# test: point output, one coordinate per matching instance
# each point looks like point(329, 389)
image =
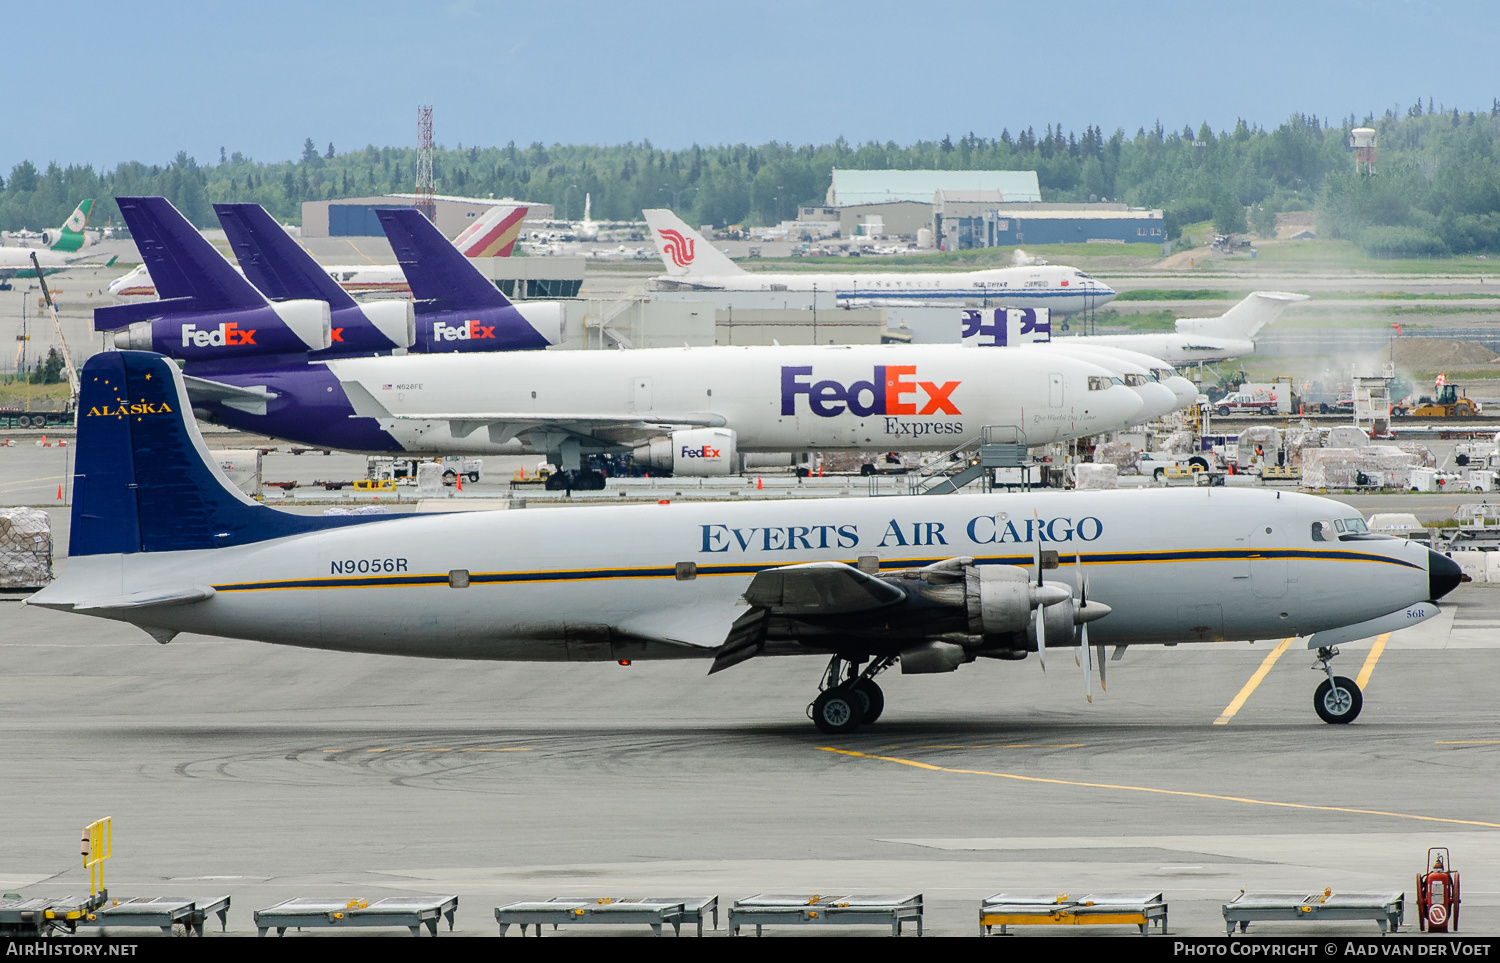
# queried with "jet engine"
point(547, 317)
point(280, 327)
point(692, 452)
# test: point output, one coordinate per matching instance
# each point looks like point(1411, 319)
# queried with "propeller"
point(1084, 614)
point(1036, 612)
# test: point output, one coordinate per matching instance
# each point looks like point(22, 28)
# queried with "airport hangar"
point(970, 209)
point(355, 216)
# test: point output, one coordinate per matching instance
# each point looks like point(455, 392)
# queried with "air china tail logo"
point(467, 331)
point(121, 408)
point(678, 248)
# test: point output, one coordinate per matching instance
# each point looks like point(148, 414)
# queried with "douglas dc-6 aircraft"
point(694, 264)
point(160, 539)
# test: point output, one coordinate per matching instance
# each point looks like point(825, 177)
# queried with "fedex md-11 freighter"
point(690, 410)
point(160, 539)
point(694, 264)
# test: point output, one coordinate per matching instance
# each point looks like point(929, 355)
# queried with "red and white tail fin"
point(684, 251)
point(493, 233)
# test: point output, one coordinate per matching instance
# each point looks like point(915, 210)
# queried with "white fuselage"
point(1173, 347)
point(869, 397)
point(593, 583)
point(1064, 290)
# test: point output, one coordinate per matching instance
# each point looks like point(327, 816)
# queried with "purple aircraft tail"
point(441, 278)
point(272, 261)
point(190, 275)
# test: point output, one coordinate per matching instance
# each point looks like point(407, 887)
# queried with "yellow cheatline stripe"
point(1369, 667)
point(1255, 680)
point(1161, 792)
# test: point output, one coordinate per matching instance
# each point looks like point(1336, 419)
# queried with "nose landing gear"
point(849, 698)
point(1337, 699)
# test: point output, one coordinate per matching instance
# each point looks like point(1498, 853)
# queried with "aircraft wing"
point(813, 588)
point(613, 427)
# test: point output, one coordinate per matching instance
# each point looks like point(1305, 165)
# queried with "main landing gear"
point(584, 481)
point(1337, 699)
point(849, 698)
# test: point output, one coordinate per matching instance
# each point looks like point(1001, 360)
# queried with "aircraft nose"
point(1103, 293)
point(1443, 575)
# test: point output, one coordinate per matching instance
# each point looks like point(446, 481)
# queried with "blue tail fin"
point(144, 480)
point(274, 262)
point(438, 274)
point(190, 275)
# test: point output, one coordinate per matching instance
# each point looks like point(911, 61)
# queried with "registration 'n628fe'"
point(366, 566)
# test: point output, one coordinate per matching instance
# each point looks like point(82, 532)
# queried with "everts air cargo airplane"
point(161, 539)
point(694, 264)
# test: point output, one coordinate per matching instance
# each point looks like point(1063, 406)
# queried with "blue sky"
point(145, 79)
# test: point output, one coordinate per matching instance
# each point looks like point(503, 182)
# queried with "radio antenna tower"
point(425, 202)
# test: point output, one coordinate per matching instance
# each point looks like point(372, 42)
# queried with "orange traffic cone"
point(59, 491)
point(758, 484)
point(460, 482)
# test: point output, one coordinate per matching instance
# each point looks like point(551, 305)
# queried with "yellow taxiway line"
point(1255, 681)
point(1370, 660)
point(1161, 792)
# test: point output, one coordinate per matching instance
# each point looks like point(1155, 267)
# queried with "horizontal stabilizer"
point(155, 599)
point(118, 316)
point(250, 399)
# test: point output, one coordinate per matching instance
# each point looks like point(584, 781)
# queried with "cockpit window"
point(1134, 380)
point(1338, 523)
point(1356, 526)
point(1318, 531)
point(1098, 383)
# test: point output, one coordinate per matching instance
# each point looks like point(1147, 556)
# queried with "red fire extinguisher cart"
point(1437, 893)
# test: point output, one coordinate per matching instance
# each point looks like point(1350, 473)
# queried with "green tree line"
point(1436, 190)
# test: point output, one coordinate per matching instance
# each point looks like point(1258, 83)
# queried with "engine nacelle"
point(999, 599)
point(548, 317)
point(395, 320)
point(281, 327)
point(692, 452)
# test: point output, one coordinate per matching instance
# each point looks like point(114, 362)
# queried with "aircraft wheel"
point(556, 482)
point(838, 711)
point(1160, 475)
point(1339, 701)
point(867, 469)
point(591, 481)
point(874, 699)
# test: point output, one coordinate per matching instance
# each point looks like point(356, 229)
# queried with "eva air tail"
point(71, 236)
